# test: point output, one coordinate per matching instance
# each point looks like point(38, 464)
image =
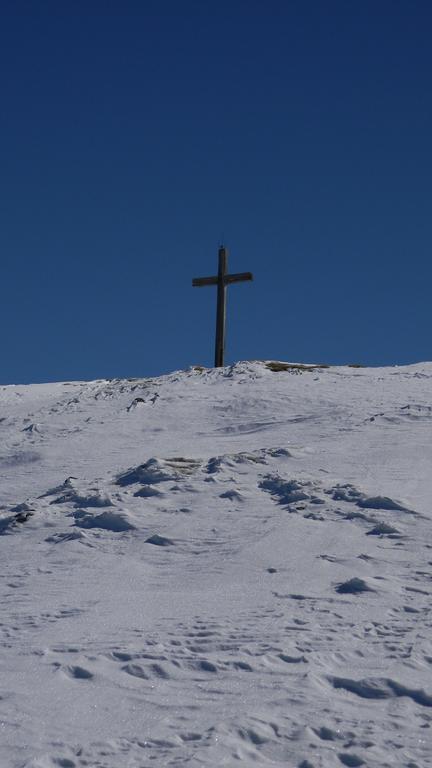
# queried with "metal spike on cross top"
point(222, 280)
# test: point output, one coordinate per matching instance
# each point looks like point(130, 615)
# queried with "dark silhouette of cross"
point(221, 280)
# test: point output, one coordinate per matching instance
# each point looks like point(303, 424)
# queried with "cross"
point(221, 280)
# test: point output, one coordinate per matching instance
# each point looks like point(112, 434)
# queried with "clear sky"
point(135, 136)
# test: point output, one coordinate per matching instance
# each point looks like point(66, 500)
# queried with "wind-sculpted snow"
point(110, 521)
point(404, 413)
point(349, 493)
point(217, 567)
point(158, 471)
point(354, 586)
point(381, 688)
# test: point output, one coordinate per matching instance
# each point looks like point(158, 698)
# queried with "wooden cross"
point(221, 280)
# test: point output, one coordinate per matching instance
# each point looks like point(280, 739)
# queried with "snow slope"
point(217, 567)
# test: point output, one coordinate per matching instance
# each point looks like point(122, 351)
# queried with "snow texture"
point(218, 567)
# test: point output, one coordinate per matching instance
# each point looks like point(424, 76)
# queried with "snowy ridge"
point(217, 567)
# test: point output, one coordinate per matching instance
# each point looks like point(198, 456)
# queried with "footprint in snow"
point(77, 673)
point(159, 541)
point(352, 761)
point(135, 670)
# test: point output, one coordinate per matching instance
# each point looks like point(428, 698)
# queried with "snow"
point(218, 567)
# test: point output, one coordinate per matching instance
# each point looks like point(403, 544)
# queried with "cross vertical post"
point(221, 308)
point(221, 280)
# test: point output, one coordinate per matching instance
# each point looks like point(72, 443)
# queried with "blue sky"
point(136, 136)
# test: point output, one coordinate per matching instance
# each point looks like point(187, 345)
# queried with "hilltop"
point(217, 567)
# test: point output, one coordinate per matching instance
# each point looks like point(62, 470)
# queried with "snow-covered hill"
point(218, 567)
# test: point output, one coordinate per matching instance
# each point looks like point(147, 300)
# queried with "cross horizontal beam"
point(239, 277)
point(198, 282)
